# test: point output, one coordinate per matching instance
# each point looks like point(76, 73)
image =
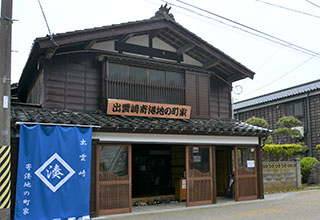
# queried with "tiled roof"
point(285, 93)
point(135, 124)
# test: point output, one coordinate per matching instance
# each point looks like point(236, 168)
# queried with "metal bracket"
point(8, 19)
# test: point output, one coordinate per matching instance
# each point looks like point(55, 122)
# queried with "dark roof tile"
point(135, 124)
point(281, 94)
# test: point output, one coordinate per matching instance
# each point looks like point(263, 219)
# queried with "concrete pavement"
point(294, 205)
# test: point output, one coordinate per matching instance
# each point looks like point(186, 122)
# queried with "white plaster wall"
point(159, 44)
point(174, 138)
point(142, 40)
point(105, 46)
point(189, 60)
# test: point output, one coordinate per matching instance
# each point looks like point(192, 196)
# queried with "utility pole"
point(5, 102)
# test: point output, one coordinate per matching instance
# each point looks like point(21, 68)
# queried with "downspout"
point(261, 145)
point(309, 125)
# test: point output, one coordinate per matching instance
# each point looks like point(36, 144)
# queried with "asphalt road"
point(293, 206)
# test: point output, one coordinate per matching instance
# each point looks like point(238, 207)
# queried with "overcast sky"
point(276, 66)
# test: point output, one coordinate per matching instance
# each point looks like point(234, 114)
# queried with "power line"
point(312, 3)
point(242, 31)
point(253, 31)
point(45, 19)
point(280, 77)
point(273, 39)
point(269, 58)
point(289, 9)
point(50, 34)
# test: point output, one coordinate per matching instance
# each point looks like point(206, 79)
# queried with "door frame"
point(98, 183)
point(238, 176)
point(188, 178)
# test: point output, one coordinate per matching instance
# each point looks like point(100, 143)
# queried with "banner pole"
point(54, 124)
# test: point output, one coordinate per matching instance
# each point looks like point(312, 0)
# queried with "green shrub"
point(318, 148)
point(277, 152)
point(289, 132)
point(258, 122)
point(306, 165)
point(286, 124)
point(269, 140)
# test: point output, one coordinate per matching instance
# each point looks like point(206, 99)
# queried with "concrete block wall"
point(281, 175)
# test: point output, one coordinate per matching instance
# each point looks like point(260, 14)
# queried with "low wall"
point(281, 175)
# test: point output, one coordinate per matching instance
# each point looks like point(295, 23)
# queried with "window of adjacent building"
point(294, 109)
point(143, 84)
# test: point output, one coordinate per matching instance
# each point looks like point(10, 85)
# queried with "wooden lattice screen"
point(145, 91)
point(246, 174)
point(199, 176)
point(114, 190)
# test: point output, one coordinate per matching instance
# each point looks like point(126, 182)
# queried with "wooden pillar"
point(214, 182)
point(259, 170)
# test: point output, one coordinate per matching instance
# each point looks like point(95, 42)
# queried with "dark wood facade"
point(305, 107)
point(69, 82)
point(158, 61)
point(79, 82)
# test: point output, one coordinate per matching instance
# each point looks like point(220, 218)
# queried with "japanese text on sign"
point(145, 109)
point(27, 176)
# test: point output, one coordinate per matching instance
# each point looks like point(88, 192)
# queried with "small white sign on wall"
point(250, 163)
point(184, 184)
point(195, 150)
point(5, 101)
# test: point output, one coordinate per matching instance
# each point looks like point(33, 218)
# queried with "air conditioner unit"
point(300, 129)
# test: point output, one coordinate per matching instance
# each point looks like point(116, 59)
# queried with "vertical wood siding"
point(73, 82)
point(197, 94)
point(191, 93)
point(220, 99)
point(203, 96)
point(36, 93)
point(315, 121)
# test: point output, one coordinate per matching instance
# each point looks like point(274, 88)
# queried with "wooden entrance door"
point(199, 175)
point(246, 181)
point(114, 179)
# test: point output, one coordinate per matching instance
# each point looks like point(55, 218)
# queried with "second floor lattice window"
point(142, 84)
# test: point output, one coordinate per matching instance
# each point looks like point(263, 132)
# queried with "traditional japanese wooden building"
point(159, 100)
point(301, 101)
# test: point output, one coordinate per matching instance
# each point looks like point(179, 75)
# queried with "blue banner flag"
point(53, 180)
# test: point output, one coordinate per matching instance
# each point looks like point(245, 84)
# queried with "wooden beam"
point(150, 41)
point(125, 37)
point(151, 52)
point(185, 34)
point(90, 44)
point(210, 64)
point(155, 33)
point(50, 52)
point(185, 48)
